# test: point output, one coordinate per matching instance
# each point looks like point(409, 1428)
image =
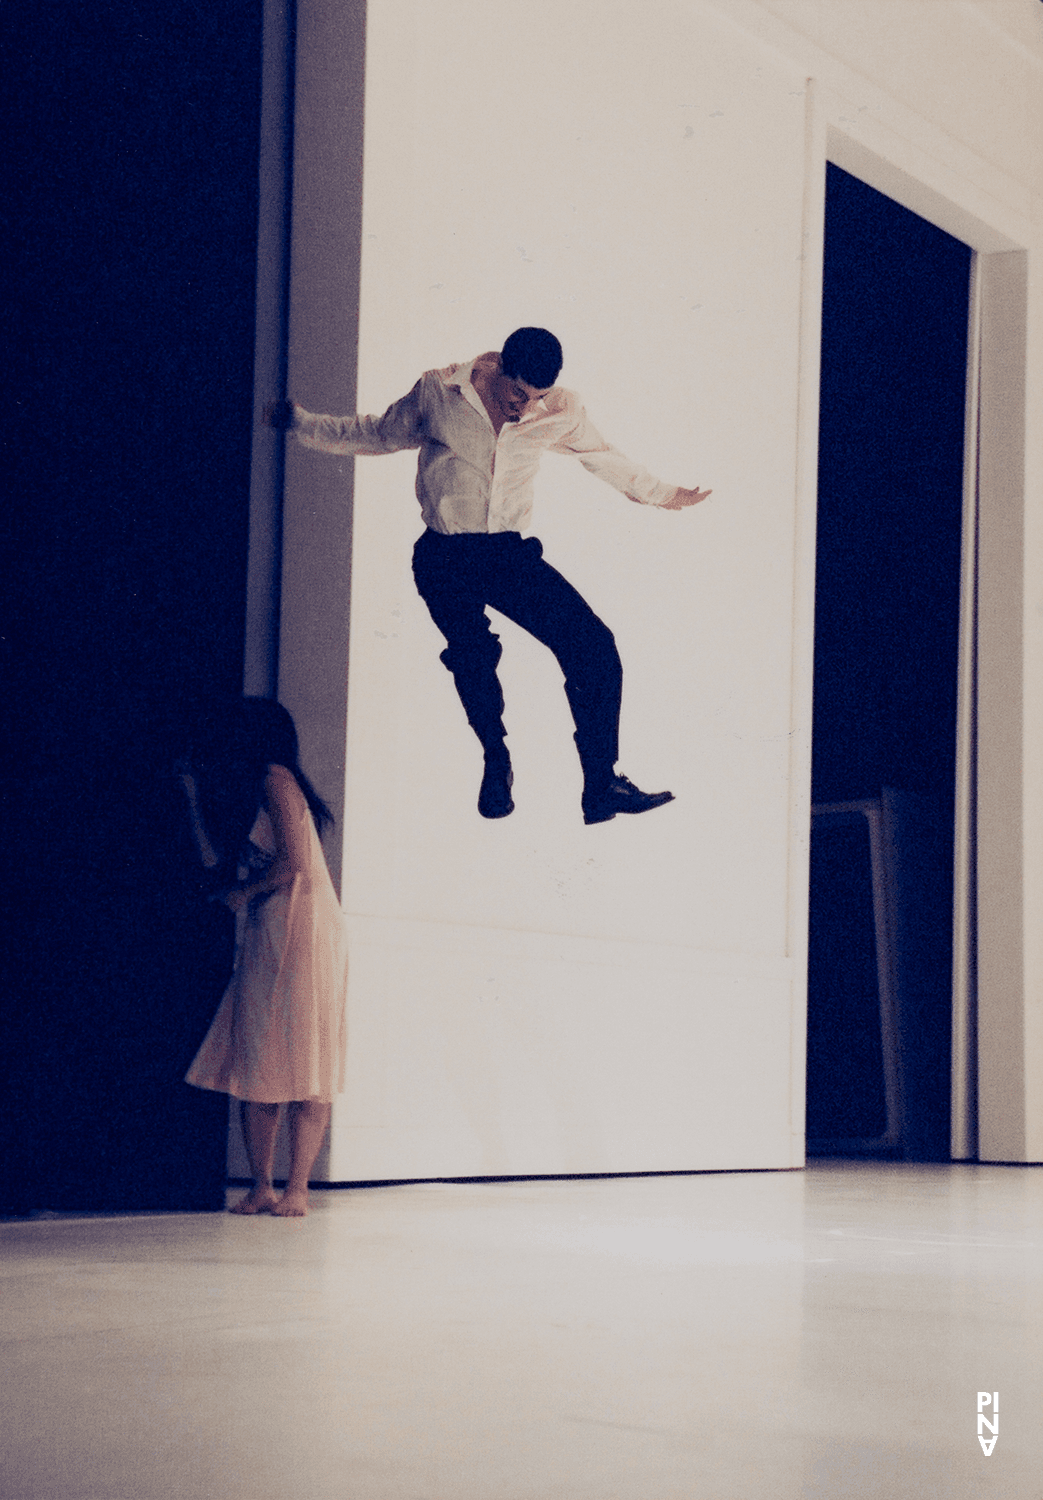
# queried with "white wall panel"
point(532, 995)
point(507, 184)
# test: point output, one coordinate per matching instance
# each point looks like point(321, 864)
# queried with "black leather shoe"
point(494, 799)
point(620, 796)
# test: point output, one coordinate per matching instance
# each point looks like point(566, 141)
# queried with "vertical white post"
point(964, 1073)
point(813, 231)
point(1002, 1081)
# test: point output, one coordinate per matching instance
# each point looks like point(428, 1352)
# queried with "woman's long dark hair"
point(231, 750)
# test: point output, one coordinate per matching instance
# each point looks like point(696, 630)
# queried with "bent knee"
point(597, 641)
point(481, 652)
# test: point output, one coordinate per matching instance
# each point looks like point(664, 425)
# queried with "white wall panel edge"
point(1032, 717)
point(806, 519)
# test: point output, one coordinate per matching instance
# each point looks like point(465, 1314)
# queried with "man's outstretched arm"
point(399, 428)
point(607, 463)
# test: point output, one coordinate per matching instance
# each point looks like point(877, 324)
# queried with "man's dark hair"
point(532, 355)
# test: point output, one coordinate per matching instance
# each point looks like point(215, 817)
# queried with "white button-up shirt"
point(468, 478)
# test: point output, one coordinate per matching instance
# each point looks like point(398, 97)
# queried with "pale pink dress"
point(280, 1030)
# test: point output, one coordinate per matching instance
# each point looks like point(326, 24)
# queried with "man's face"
point(516, 396)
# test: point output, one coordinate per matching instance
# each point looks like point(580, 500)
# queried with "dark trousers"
point(457, 576)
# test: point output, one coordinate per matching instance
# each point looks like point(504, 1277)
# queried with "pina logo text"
point(988, 1399)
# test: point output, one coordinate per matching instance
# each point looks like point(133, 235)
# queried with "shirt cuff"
point(304, 422)
point(657, 494)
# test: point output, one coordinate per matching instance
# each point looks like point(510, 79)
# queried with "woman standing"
point(279, 1033)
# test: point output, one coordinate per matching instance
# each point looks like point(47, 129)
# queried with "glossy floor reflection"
point(727, 1337)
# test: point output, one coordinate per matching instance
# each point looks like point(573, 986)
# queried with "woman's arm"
point(288, 813)
point(207, 852)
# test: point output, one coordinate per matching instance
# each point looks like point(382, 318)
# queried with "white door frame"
point(990, 1075)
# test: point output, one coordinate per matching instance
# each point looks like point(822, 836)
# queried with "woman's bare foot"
point(259, 1200)
point(292, 1205)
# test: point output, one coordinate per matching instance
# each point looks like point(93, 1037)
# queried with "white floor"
point(727, 1337)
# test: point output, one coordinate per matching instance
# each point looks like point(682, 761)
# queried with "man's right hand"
point(278, 414)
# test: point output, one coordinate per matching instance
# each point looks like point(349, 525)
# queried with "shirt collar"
point(461, 377)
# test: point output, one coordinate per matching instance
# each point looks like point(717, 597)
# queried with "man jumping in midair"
point(481, 429)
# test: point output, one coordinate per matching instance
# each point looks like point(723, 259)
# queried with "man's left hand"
point(684, 498)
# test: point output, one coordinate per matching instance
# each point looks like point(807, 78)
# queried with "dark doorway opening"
point(894, 360)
